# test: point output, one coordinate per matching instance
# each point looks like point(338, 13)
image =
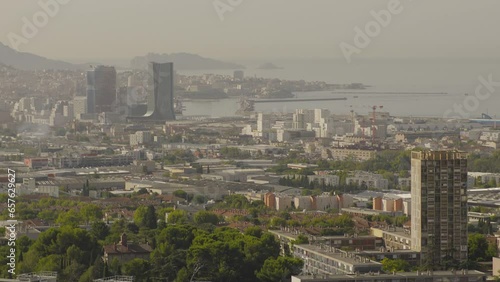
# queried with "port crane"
point(373, 119)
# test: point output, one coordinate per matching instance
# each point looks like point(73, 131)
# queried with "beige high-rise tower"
point(439, 206)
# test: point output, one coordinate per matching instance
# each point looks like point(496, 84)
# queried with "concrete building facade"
point(439, 205)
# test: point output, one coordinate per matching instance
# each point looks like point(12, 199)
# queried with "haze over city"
point(259, 29)
point(249, 141)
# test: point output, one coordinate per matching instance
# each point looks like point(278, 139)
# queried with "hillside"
point(28, 61)
point(183, 61)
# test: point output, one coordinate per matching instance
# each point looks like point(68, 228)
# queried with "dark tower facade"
point(90, 92)
point(161, 96)
point(101, 89)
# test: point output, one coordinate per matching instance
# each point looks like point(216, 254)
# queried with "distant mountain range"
point(269, 66)
point(28, 61)
point(183, 61)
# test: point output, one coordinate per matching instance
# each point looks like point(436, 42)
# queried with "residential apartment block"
point(439, 205)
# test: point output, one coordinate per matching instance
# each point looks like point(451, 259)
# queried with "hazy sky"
point(91, 29)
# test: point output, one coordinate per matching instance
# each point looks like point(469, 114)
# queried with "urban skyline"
point(249, 141)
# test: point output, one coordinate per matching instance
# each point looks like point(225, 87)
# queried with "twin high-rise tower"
point(101, 92)
point(161, 96)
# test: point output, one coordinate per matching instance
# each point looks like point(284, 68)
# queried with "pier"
point(248, 105)
point(294, 100)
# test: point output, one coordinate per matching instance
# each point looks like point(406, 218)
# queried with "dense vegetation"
point(187, 247)
point(485, 163)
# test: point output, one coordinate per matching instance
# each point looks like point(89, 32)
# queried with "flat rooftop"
point(366, 211)
point(338, 255)
point(438, 155)
point(397, 231)
point(381, 276)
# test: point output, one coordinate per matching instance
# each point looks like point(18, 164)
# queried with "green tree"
point(87, 275)
point(279, 269)
point(169, 257)
point(50, 263)
point(235, 202)
point(150, 220)
point(67, 249)
point(478, 247)
point(98, 269)
point(133, 228)
point(199, 199)
point(278, 221)
point(139, 268)
point(202, 217)
point(226, 255)
point(177, 217)
point(115, 267)
point(395, 265)
point(99, 230)
point(91, 212)
point(23, 243)
point(254, 231)
point(301, 239)
point(71, 217)
point(182, 276)
point(233, 153)
point(140, 215)
point(492, 250)
point(181, 194)
point(47, 215)
point(142, 191)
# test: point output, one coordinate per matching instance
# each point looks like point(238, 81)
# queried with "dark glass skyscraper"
point(90, 92)
point(101, 89)
point(161, 96)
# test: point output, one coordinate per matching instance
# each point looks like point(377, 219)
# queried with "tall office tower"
point(101, 89)
point(238, 75)
point(263, 122)
point(79, 88)
point(161, 97)
point(320, 114)
point(79, 106)
point(302, 117)
point(439, 206)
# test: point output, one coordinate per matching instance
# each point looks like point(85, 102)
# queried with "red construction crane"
point(372, 119)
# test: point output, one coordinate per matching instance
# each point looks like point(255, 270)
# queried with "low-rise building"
point(141, 138)
point(357, 154)
point(332, 180)
point(395, 238)
point(36, 163)
point(370, 180)
point(326, 260)
point(283, 202)
point(427, 276)
point(321, 202)
point(365, 212)
point(125, 251)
